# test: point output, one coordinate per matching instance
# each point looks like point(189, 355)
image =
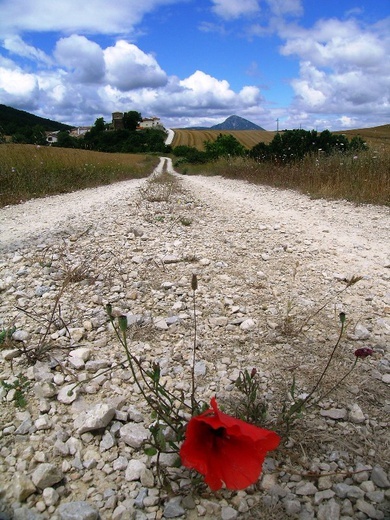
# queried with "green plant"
point(299, 402)
point(19, 386)
point(6, 336)
point(251, 408)
point(168, 409)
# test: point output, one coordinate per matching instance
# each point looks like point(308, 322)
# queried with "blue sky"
point(307, 63)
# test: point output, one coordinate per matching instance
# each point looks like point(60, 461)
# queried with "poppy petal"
point(226, 450)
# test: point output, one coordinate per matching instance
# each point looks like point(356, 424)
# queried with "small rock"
point(228, 513)
point(329, 510)
point(366, 508)
point(21, 335)
point(23, 487)
point(77, 511)
point(50, 496)
point(379, 477)
point(292, 507)
point(95, 419)
point(308, 488)
point(107, 442)
point(68, 394)
point(356, 415)
point(46, 475)
point(200, 368)
point(173, 508)
point(83, 353)
point(134, 469)
point(334, 413)
point(361, 332)
point(134, 434)
point(248, 324)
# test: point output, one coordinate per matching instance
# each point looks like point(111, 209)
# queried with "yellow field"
point(196, 138)
point(376, 137)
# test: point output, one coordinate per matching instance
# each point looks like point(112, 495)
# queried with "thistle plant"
point(290, 413)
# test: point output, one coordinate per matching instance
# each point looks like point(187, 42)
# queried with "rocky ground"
point(273, 270)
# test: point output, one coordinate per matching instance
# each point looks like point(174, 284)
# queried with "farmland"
point(196, 138)
point(377, 137)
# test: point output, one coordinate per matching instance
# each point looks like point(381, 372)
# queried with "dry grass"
point(378, 137)
point(361, 179)
point(28, 171)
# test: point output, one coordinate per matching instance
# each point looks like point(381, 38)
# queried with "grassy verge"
point(27, 171)
point(363, 178)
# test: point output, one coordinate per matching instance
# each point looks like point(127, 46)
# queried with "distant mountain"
point(236, 123)
point(12, 120)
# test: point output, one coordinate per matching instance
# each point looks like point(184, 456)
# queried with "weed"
point(251, 408)
point(6, 336)
point(19, 387)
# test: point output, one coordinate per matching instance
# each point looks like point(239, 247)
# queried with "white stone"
point(94, 419)
point(83, 353)
point(46, 475)
point(134, 434)
point(134, 469)
point(356, 415)
point(68, 394)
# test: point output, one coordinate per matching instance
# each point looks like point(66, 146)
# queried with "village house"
point(147, 122)
point(52, 137)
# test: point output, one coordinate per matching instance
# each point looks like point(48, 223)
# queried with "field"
point(28, 171)
point(196, 138)
point(378, 137)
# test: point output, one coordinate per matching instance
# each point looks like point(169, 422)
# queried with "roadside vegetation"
point(28, 171)
point(321, 165)
point(352, 166)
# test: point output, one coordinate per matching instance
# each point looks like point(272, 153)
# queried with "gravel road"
point(266, 259)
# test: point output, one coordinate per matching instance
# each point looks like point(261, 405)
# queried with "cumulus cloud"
point(130, 68)
point(17, 87)
point(81, 57)
point(343, 67)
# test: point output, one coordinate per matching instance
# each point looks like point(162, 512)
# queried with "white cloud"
point(337, 44)
point(229, 9)
point(130, 68)
point(81, 57)
point(89, 16)
point(17, 87)
point(344, 67)
point(285, 7)
point(16, 45)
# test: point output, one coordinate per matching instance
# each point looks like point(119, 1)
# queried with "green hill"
point(13, 121)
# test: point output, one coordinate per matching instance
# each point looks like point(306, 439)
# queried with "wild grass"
point(28, 171)
point(360, 178)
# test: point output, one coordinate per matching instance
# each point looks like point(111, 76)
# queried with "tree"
point(224, 145)
point(131, 120)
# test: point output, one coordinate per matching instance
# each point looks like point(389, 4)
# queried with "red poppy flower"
point(363, 352)
point(226, 450)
